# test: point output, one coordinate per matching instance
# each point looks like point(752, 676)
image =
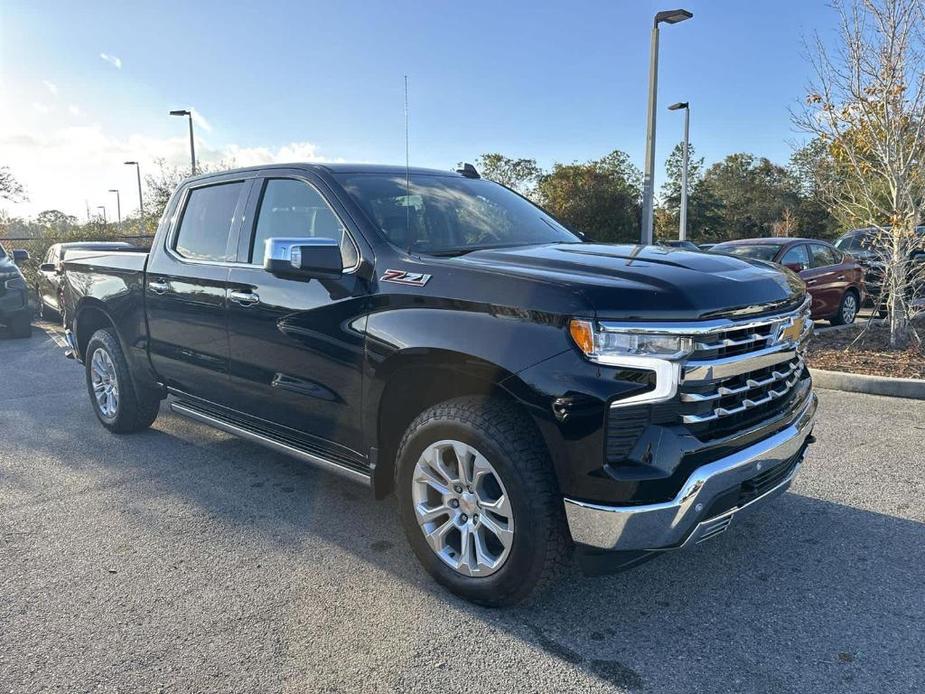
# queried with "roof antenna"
point(407, 172)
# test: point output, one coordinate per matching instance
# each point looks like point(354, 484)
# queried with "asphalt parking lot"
point(183, 559)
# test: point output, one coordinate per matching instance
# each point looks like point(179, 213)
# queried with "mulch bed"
point(843, 350)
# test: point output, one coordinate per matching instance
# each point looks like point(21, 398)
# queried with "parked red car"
point(833, 278)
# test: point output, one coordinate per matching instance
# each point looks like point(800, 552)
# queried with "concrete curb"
point(872, 385)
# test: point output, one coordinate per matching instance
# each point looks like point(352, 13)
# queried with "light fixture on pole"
point(141, 204)
point(648, 183)
point(118, 207)
point(685, 164)
point(103, 208)
point(192, 145)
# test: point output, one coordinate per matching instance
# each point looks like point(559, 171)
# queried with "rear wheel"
point(479, 502)
point(115, 401)
point(847, 310)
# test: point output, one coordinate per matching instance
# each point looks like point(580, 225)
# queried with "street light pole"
point(648, 182)
point(192, 142)
point(141, 203)
point(103, 208)
point(682, 223)
point(118, 207)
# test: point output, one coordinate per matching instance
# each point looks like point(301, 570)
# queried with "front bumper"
point(14, 304)
point(692, 515)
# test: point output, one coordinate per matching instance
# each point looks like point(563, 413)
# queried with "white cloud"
point(51, 87)
point(74, 110)
point(200, 121)
point(62, 167)
point(41, 108)
point(115, 61)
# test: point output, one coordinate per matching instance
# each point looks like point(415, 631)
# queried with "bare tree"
point(10, 188)
point(786, 225)
point(867, 104)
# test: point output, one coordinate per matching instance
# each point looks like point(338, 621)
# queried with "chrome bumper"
point(680, 522)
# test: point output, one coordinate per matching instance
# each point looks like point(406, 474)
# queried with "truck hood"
point(635, 282)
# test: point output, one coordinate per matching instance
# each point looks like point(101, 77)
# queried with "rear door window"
point(205, 227)
point(822, 256)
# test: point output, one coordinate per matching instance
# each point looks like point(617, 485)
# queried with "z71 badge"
point(415, 279)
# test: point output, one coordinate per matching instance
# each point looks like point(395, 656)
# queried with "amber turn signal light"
point(582, 334)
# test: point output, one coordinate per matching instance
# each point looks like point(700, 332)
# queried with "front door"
point(296, 347)
point(185, 290)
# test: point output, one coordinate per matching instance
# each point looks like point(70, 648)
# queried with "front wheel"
point(847, 310)
point(115, 401)
point(479, 502)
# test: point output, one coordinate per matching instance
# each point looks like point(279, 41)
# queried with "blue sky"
point(556, 81)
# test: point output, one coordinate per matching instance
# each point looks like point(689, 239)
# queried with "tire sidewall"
point(103, 340)
point(526, 555)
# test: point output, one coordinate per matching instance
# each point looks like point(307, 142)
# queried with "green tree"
point(751, 195)
point(518, 174)
point(600, 198)
point(704, 220)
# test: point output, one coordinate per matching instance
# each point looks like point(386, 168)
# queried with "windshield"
point(855, 242)
point(759, 251)
point(450, 215)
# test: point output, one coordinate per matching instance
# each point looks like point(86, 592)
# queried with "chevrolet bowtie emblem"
point(790, 332)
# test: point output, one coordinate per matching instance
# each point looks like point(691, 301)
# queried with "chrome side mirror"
point(303, 257)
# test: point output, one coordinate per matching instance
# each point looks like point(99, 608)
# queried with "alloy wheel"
point(463, 508)
point(849, 308)
point(105, 383)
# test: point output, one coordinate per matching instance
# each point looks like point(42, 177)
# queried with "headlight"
point(16, 283)
point(610, 345)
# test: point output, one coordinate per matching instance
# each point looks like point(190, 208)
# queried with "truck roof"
point(336, 168)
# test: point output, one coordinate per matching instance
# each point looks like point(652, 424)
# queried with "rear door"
point(186, 285)
point(825, 280)
point(297, 346)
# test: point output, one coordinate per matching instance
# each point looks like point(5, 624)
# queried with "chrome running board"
point(213, 420)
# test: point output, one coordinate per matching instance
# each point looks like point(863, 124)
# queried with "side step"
point(187, 409)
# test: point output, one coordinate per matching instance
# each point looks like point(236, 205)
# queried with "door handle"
point(841, 277)
point(244, 298)
point(158, 286)
point(808, 282)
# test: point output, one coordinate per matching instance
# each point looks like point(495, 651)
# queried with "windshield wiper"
point(463, 250)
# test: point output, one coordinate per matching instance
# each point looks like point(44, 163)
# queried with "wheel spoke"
point(482, 555)
point(428, 514)
point(436, 538)
point(425, 475)
point(500, 506)
point(480, 468)
point(466, 555)
point(463, 463)
point(500, 531)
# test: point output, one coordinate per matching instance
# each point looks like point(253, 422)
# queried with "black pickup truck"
point(522, 391)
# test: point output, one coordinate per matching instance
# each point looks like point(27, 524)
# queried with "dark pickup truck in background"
point(15, 310)
point(522, 392)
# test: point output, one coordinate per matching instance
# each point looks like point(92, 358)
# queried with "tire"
point(21, 327)
point(847, 309)
point(538, 546)
point(128, 411)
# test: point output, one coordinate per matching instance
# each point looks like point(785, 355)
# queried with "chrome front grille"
point(761, 376)
point(736, 374)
